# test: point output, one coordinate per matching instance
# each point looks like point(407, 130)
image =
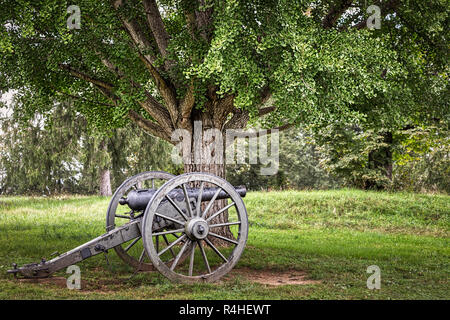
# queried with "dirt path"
point(272, 277)
point(267, 277)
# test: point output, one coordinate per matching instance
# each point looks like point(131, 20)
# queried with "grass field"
point(329, 236)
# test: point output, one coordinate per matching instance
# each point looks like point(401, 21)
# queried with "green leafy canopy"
point(312, 62)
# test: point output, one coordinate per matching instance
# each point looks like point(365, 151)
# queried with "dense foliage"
point(422, 160)
point(164, 64)
point(298, 168)
point(339, 157)
point(419, 158)
point(60, 153)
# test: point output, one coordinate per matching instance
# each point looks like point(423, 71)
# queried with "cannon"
point(158, 221)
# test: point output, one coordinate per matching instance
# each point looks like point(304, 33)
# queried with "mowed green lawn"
point(332, 236)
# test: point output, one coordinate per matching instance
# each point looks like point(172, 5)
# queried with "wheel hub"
point(197, 229)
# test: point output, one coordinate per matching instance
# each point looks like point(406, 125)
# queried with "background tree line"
point(414, 159)
point(60, 152)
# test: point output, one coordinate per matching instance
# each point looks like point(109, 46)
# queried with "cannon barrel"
point(138, 199)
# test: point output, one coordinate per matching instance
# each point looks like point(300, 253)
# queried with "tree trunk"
point(105, 182)
point(211, 163)
point(218, 170)
point(105, 174)
point(381, 159)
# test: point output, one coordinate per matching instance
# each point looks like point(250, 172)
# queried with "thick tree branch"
point(136, 34)
point(86, 77)
point(83, 99)
point(156, 25)
point(204, 21)
point(111, 96)
point(186, 105)
point(165, 90)
point(151, 105)
point(222, 107)
point(266, 110)
point(148, 125)
point(266, 95)
point(238, 120)
point(191, 23)
point(158, 113)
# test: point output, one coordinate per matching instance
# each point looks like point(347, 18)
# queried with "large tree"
point(166, 64)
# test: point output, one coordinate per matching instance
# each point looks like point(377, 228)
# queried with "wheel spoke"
point(168, 232)
point(177, 258)
point(157, 243)
point(169, 246)
point(167, 243)
point(132, 244)
point(177, 208)
point(186, 197)
point(141, 258)
point(169, 218)
point(220, 211)
point(199, 200)
point(130, 251)
point(215, 249)
point(138, 216)
point(191, 261)
point(223, 238)
point(204, 256)
point(123, 217)
point(224, 224)
point(211, 202)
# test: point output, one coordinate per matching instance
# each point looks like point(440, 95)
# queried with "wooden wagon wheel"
point(207, 262)
point(133, 252)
